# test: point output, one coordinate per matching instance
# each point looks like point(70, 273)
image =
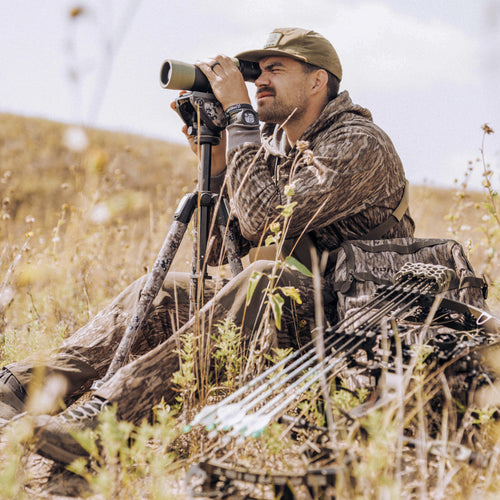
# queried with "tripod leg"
point(231, 250)
point(200, 242)
point(208, 200)
point(229, 238)
point(153, 284)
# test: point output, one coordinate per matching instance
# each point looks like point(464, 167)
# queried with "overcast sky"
point(429, 70)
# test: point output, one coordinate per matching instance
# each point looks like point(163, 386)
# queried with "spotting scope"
point(176, 75)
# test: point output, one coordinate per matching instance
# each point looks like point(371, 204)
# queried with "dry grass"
point(77, 226)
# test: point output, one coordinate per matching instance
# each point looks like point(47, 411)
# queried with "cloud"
point(380, 47)
point(399, 51)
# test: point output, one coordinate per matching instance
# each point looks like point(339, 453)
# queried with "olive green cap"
point(300, 44)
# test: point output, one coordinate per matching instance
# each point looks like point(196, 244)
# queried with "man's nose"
point(262, 80)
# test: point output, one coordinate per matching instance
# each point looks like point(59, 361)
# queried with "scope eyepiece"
point(177, 75)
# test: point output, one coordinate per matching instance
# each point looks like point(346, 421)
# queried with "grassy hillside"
point(77, 226)
point(78, 222)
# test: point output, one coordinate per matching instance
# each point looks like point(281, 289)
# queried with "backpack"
point(363, 265)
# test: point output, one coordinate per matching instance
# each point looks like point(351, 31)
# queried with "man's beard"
point(280, 110)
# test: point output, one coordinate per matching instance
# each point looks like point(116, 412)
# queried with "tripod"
point(205, 119)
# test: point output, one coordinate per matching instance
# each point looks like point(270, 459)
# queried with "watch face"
point(249, 117)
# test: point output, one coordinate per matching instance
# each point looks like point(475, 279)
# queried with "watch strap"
point(236, 108)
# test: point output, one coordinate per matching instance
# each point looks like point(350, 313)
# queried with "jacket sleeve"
point(347, 170)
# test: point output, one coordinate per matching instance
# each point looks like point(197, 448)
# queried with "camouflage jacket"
point(347, 178)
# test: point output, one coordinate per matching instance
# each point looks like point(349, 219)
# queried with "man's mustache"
point(265, 90)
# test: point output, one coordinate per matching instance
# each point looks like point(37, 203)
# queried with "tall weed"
point(481, 232)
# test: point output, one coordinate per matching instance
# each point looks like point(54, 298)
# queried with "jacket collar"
point(276, 142)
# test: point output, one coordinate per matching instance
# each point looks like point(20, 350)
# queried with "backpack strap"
point(304, 246)
point(378, 231)
point(475, 282)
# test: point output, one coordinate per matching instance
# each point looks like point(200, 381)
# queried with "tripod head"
point(211, 122)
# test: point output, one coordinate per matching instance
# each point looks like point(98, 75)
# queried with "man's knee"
point(175, 288)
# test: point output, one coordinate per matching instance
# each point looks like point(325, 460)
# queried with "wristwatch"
point(248, 117)
point(242, 114)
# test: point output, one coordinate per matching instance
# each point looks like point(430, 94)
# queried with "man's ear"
point(319, 81)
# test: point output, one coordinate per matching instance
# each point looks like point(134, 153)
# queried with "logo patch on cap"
point(273, 40)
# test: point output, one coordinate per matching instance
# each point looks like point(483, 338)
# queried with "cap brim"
point(257, 55)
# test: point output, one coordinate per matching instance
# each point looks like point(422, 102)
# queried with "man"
point(347, 181)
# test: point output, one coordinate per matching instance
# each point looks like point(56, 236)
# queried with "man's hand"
point(229, 88)
point(218, 164)
point(226, 81)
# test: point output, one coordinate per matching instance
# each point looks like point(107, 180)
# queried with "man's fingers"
point(214, 66)
point(225, 80)
point(205, 67)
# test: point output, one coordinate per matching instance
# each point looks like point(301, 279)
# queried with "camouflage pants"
point(143, 382)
